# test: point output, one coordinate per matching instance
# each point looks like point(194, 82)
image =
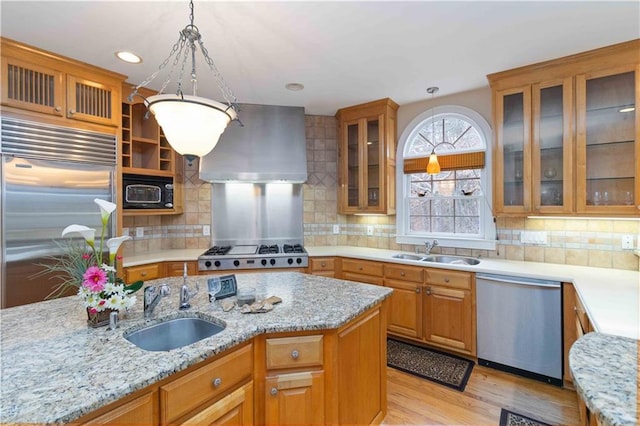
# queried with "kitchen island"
point(55, 369)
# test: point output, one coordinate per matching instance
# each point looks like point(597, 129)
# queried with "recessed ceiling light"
point(295, 87)
point(129, 57)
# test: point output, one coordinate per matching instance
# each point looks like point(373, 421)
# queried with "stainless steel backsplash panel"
point(243, 213)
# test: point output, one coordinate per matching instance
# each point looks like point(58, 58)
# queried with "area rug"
point(445, 369)
point(509, 418)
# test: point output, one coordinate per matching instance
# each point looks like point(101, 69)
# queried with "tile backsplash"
point(588, 242)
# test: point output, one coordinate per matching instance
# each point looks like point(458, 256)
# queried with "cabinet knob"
point(57, 109)
point(274, 391)
point(72, 111)
point(428, 291)
point(143, 274)
point(295, 354)
point(418, 290)
point(446, 280)
point(402, 274)
point(360, 268)
point(323, 264)
point(217, 382)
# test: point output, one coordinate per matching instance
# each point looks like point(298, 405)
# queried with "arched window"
point(453, 206)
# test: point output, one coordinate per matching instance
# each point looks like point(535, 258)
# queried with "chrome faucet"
point(186, 295)
point(152, 297)
point(430, 245)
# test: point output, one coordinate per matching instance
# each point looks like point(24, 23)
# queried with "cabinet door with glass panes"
point(513, 150)
point(608, 147)
point(552, 147)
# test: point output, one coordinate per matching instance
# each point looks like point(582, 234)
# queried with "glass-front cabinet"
point(608, 166)
point(367, 158)
point(567, 135)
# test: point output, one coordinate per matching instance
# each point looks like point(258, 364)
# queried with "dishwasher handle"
point(519, 281)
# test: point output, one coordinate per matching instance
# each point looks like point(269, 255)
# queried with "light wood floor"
point(415, 401)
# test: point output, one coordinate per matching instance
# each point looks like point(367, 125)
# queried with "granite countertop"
point(605, 373)
point(610, 296)
point(55, 369)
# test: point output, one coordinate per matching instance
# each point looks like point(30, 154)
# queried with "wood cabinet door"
point(176, 269)
point(608, 141)
point(32, 87)
point(295, 398)
point(92, 101)
point(405, 308)
point(234, 409)
point(448, 318)
point(512, 183)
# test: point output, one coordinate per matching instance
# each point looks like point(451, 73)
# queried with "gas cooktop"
point(253, 256)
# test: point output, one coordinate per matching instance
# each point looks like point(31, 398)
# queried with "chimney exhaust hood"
point(270, 147)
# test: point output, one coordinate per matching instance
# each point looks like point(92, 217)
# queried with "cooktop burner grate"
point(217, 251)
point(268, 249)
point(296, 248)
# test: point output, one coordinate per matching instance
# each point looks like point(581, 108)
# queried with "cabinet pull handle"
point(295, 354)
point(428, 291)
point(217, 382)
point(274, 391)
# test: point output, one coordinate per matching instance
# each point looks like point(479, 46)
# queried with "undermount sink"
point(407, 256)
point(174, 333)
point(454, 260)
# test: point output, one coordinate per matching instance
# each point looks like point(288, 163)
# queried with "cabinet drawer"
point(288, 352)
point(362, 267)
point(322, 264)
point(447, 278)
point(404, 273)
point(176, 269)
point(144, 272)
point(216, 379)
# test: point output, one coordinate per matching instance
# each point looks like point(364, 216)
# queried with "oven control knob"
point(289, 261)
point(207, 264)
point(264, 262)
point(236, 263)
point(217, 263)
point(298, 261)
point(272, 261)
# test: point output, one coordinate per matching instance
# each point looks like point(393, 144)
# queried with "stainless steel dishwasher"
point(519, 323)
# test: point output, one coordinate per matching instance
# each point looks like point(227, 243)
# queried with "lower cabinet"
point(434, 306)
point(295, 398)
point(324, 266)
point(176, 269)
point(449, 310)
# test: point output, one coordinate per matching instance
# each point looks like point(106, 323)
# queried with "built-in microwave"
point(147, 192)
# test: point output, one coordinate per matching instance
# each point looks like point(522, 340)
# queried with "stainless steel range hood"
point(271, 147)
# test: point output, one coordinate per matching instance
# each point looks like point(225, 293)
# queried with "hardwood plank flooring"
point(416, 401)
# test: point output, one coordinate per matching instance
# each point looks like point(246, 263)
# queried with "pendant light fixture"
point(433, 167)
point(192, 124)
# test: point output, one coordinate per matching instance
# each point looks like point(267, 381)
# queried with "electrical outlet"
point(369, 229)
point(139, 232)
point(206, 230)
point(627, 241)
point(336, 229)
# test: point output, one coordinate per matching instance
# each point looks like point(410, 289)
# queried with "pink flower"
point(86, 256)
point(94, 279)
point(93, 311)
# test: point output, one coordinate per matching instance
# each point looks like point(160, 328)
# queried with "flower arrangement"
point(85, 268)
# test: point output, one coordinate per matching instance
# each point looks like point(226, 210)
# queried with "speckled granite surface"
point(54, 368)
point(605, 374)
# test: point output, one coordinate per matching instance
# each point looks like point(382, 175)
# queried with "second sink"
point(173, 334)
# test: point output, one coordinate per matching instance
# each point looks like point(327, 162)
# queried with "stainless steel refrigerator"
point(49, 177)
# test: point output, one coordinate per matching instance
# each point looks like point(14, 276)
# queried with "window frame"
point(488, 236)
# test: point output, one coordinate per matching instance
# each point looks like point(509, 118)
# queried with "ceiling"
point(344, 53)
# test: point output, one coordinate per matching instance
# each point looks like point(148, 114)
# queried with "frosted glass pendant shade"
point(191, 124)
point(433, 167)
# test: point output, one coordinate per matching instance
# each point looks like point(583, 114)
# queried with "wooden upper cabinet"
point(41, 82)
point(366, 157)
point(566, 135)
point(608, 147)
